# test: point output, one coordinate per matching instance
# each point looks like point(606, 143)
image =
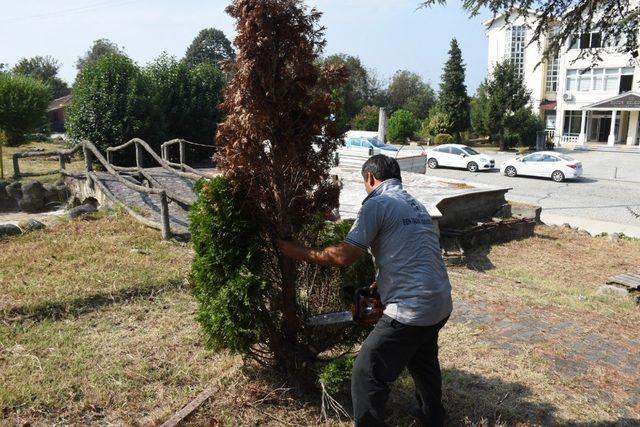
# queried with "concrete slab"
point(447, 200)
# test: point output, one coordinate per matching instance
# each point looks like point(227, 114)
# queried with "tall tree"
point(358, 90)
point(98, 49)
point(479, 106)
point(453, 99)
point(209, 46)
point(408, 92)
point(560, 20)
point(277, 146)
point(45, 69)
point(110, 102)
point(508, 98)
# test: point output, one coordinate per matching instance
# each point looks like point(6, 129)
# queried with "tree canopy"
point(453, 99)
point(561, 20)
point(408, 92)
point(45, 69)
point(209, 46)
point(98, 49)
point(23, 103)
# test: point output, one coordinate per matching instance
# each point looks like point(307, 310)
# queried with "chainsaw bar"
point(331, 318)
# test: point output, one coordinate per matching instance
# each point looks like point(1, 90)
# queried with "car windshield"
point(565, 157)
point(470, 151)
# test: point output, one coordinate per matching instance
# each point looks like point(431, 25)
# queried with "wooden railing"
point(63, 159)
point(182, 150)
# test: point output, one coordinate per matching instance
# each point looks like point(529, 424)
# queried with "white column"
point(582, 138)
point(632, 134)
point(612, 135)
point(382, 125)
point(559, 127)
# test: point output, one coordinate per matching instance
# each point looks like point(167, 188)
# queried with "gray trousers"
point(388, 349)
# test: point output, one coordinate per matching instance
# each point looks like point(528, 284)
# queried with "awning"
point(628, 101)
point(548, 105)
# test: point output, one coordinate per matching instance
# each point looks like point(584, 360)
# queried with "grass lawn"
point(97, 327)
point(41, 168)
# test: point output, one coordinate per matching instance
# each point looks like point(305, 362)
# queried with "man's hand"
point(341, 255)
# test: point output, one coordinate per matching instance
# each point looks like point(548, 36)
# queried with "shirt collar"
point(386, 185)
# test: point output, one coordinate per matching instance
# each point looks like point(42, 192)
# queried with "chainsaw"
point(366, 309)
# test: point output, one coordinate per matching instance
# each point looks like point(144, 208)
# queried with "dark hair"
point(381, 167)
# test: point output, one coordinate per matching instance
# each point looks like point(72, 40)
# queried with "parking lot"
point(605, 199)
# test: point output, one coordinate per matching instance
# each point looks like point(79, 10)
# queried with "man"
point(414, 287)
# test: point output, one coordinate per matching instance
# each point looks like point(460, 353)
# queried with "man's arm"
point(340, 255)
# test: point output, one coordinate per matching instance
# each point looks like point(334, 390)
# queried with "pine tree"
point(453, 98)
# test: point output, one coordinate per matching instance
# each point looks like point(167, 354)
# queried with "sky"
point(387, 35)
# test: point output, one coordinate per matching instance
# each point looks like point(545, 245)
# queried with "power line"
point(71, 11)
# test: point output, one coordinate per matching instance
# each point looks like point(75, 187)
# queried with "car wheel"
point(557, 176)
point(433, 163)
point(510, 171)
point(472, 167)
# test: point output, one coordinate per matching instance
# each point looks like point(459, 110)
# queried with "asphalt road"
point(596, 202)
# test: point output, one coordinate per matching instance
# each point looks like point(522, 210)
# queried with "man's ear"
point(371, 179)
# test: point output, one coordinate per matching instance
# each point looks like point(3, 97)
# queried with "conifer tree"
point(453, 99)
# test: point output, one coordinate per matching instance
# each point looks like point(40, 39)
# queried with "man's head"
point(378, 169)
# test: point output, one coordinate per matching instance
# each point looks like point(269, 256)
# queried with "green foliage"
point(453, 99)
point(23, 103)
point(442, 138)
point(402, 125)
point(439, 123)
point(45, 69)
point(227, 269)
point(358, 89)
point(336, 375)
point(366, 119)
point(408, 92)
point(110, 102)
point(98, 49)
point(507, 98)
point(480, 110)
point(210, 46)
point(523, 127)
point(184, 100)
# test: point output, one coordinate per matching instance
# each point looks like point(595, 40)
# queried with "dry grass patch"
point(76, 264)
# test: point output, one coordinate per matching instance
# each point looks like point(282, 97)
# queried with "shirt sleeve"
point(366, 226)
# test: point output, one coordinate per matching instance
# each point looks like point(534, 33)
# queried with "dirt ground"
point(97, 327)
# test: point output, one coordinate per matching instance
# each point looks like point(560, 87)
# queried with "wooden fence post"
point(164, 216)
point(183, 155)
point(139, 156)
point(110, 157)
point(88, 158)
point(16, 166)
point(63, 160)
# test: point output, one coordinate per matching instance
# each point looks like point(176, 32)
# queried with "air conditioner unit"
point(567, 96)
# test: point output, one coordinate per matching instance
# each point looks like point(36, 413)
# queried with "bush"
point(23, 104)
point(402, 125)
point(522, 128)
point(336, 375)
point(366, 119)
point(231, 278)
point(442, 138)
point(110, 102)
point(439, 123)
point(184, 100)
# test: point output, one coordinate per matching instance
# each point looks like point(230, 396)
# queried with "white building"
point(581, 104)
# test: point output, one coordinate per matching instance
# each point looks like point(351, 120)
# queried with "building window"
point(572, 122)
point(515, 47)
point(586, 41)
point(599, 79)
point(552, 75)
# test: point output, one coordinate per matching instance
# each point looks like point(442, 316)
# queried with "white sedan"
point(547, 164)
point(458, 156)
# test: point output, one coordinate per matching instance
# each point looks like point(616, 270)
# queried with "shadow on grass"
point(478, 259)
point(470, 400)
point(58, 310)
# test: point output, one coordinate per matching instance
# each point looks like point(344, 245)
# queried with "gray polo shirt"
point(410, 272)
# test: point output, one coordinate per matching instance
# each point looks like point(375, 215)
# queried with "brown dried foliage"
point(278, 142)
